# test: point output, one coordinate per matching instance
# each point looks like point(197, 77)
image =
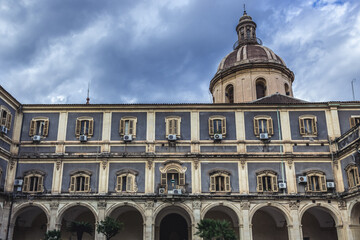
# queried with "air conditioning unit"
point(172, 137)
point(161, 191)
point(302, 179)
point(3, 129)
point(177, 191)
point(18, 182)
point(264, 136)
point(83, 138)
point(218, 136)
point(330, 185)
point(170, 192)
point(36, 138)
point(282, 185)
point(128, 138)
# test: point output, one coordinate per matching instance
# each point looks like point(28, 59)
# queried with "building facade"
point(274, 166)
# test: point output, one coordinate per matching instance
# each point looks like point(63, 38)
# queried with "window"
point(80, 182)
point(308, 125)
point(263, 124)
point(33, 182)
point(220, 181)
point(267, 181)
point(217, 125)
point(39, 126)
point(260, 88)
point(173, 125)
point(316, 182)
point(354, 120)
point(84, 126)
point(128, 126)
point(126, 181)
point(229, 94)
point(352, 172)
point(5, 117)
point(173, 176)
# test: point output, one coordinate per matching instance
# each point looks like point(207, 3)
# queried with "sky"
point(167, 51)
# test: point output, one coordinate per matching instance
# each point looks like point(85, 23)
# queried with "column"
point(240, 131)
point(149, 221)
point(103, 175)
point(150, 131)
point(294, 229)
point(195, 132)
point(196, 176)
point(245, 228)
point(57, 177)
point(243, 177)
point(5, 219)
point(106, 131)
point(346, 230)
point(196, 205)
point(290, 177)
point(53, 214)
point(101, 206)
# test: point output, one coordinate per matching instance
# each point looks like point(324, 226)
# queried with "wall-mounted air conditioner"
point(162, 191)
point(218, 136)
point(330, 185)
point(172, 137)
point(83, 138)
point(282, 185)
point(128, 138)
point(302, 179)
point(3, 129)
point(264, 136)
point(36, 138)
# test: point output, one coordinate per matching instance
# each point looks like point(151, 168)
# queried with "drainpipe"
point(281, 146)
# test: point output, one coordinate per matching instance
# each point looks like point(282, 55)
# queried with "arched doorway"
point(260, 88)
point(132, 220)
point(355, 221)
point(269, 223)
point(173, 223)
point(317, 223)
point(77, 214)
point(224, 213)
point(31, 223)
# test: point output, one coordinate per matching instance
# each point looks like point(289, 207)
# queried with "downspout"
point(281, 147)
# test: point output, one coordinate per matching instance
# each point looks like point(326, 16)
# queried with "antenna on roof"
point(352, 87)
point(244, 9)
point(88, 94)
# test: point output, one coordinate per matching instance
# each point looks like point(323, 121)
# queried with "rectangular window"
point(220, 183)
point(308, 126)
point(353, 176)
point(128, 126)
point(80, 183)
point(316, 183)
point(33, 183)
point(5, 117)
point(39, 126)
point(267, 182)
point(173, 126)
point(217, 125)
point(354, 120)
point(84, 126)
point(263, 124)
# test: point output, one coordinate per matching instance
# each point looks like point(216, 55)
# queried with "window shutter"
point(3, 119)
point(175, 124)
point(91, 128)
point(170, 127)
point(314, 126)
point(323, 183)
point(212, 184)
point(87, 184)
point(163, 179)
point(270, 126)
point(46, 128)
point(274, 184)
point(301, 125)
point(352, 122)
point(309, 183)
point(259, 184)
point(72, 184)
point(256, 127)
point(182, 179)
point(356, 175)
point(32, 128)
point(227, 184)
point(350, 178)
point(118, 183)
point(211, 126)
point(131, 127)
point(8, 121)
point(26, 184)
point(78, 127)
point(122, 127)
point(223, 124)
point(129, 183)
point(40, 184)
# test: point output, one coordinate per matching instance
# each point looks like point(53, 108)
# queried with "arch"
point(180, 206)
point(223, 204)
point(327, 207)
point(229, 94)
point(287, 89)
point(18, 210)
point(260, 88)
point(279, 207)
point(354, 219)
point(70, 205)
point(129, 204)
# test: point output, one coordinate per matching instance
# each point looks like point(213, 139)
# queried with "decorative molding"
point(245, 205)
point(342, 205)
point(54, 205)
point(149, 205)
point(243, 162)
point(150, 163)
point(196, 204)
point(336, 163)
point(293, 205)
point(101, 204)
point(58, 164)
point(12, 163)
point(104, 163)
point(196, 163)
point(290, 163)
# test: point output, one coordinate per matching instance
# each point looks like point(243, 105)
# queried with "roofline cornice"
point(8, 97)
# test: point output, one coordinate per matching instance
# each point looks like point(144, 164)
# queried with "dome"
point(249, 54)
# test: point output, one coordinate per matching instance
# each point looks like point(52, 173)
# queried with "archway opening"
point(355, 221)
point(287, 89)
point(224, 213)
point(30, 224)
point(260, 88)
point(132, 220)
point(269, 223)
point(77, 214)
point(229, 94)
point(173, 223)
point(317, 223)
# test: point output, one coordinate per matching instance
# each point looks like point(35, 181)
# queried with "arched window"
point(287, 89)
point(80, 182)
point(316, 181)
point(352, 172)
point(260, 88)
point(172, 176)
point(229, 94)
point(33, 182)
point(220, 181)
point(267, 181)
point(126, 181)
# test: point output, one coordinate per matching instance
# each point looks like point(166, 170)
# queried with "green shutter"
point(212, 184)
point(32, 128)
point(301, 126)
point(256, 127)
point(259, 184)
point(91, 128)
point(78, 127)
point(182, 179)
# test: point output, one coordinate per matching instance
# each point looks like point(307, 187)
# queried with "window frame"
point(211, 125)
point(302, 128)
point(260, 183)
point(27, 182)
point(353, 119)
point(177, 128)
point(131, 185)
point(213, 183)
point(34, 124)
point(133, 121)
point(167, 169)
point(321, 178)
point(353, 178)
point(87, 182)
point(90, 131)
point(7, 120)
point(269, 125)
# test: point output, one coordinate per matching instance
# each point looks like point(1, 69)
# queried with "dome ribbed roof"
point(249, 54)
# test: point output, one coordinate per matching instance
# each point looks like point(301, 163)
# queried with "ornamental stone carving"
point(293, 205)
point(342, 205)
point(245, 205)
point(196, 205)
